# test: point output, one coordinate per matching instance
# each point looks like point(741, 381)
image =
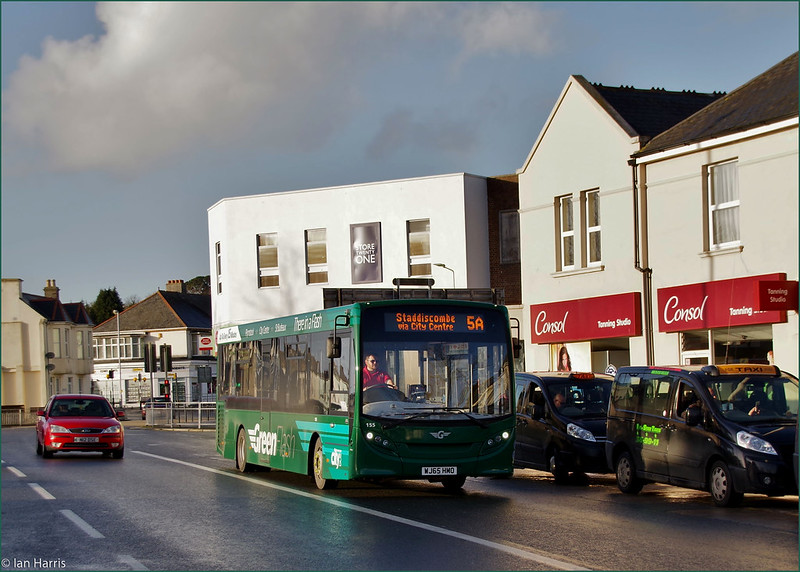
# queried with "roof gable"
point(54, 311)
point(639, 113)
point(768, 98)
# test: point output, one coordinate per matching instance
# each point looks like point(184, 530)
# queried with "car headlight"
point(58, 429)
point(747, 441)
point(112, 429)
point(580, 433)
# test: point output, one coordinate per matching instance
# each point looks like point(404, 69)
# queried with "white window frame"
point(728, 207)
point(417, 262)
point(270, 273)
point(590, 229)
point(218, 251)
point(315, 270)
point(565, 234)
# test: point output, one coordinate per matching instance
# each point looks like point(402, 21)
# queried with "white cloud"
point(167, 77)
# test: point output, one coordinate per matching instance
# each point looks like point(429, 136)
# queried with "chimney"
point(51, 290)
point(176, 286)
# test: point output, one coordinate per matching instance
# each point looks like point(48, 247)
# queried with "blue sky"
point(123, 122)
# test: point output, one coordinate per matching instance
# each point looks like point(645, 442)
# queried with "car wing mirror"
point(693, 416)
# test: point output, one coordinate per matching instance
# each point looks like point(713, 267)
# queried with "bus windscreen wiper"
point(434, 411)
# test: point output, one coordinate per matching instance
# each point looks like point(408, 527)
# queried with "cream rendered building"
point(47, 346)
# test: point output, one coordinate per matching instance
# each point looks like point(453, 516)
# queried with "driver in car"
point(372, 376)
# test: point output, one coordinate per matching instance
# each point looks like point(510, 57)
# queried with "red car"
point(79, 423)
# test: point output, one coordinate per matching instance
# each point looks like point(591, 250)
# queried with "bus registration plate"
point(439, 471)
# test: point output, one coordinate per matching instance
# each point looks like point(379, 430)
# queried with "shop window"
point(509, 237)
point(419, 247)
point(316, 256)
point(566, 233)
point(723, 205)
point(267, 245)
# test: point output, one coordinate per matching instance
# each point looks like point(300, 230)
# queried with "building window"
point(316, 256)
point(723, 205)
point(79, 344)
point(267, 244)
point(56, 342)
point(419, 247)
point(566, 233)
point(509, 237)
point(218, 250)
point(590, 201)
point(66, 342)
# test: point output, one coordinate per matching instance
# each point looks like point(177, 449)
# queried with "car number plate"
point(87, 439)
point(439, 471)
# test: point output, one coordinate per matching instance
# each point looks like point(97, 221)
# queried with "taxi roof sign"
point(748, 368)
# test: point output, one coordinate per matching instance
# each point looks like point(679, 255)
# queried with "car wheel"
point(241, 452)
point(454, 483)
point(47, 454)
point(118, 454)
point(627, 481)
point(557, 467)
point(720, 484)
point(38, 447)
point(317, 463)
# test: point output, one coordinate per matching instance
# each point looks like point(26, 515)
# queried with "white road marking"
point(82, 524)
point(42, 493)
point(131, 562)
point(518, 552)
point(17, 472)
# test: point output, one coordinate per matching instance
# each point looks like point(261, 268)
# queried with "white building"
point(273, 254)
point(614, 195)
point(46, 346)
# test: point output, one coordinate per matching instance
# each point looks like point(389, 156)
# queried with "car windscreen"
point(576, 400)
point(755, 398)
point(80, 408)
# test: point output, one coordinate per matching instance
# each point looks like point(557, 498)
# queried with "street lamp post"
point(441, 265)
point(119, 363)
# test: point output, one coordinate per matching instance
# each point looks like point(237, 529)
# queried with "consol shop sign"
point(587, 319)
point(718, 304)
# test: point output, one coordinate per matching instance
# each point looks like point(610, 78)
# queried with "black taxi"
point(561, 422)
point(729, 429)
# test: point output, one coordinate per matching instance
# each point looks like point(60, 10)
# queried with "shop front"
point(726, 321)
point(587, 334)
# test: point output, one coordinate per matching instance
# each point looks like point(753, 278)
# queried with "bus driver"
point(372, 376)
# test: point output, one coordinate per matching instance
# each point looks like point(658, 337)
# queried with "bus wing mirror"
point(516, 347)
point(334, 347)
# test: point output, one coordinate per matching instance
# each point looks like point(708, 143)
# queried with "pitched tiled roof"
point(54, 311)
point(648, 112)
point(162, 311)
point(768, 98)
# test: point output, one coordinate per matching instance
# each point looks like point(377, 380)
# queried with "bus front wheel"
point(454, 483)
point(317, 464)
point(241, 452)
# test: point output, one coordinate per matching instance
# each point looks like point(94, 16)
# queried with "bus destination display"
point(434, 322)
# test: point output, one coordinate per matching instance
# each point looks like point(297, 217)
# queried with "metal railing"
point(12, 416)
point(197, 414)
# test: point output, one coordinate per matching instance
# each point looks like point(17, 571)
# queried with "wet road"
point(173, 504)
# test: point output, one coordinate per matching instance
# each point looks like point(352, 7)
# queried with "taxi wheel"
point(557, 467)
point(720, 484)
point(627, 481)
point(317, 462)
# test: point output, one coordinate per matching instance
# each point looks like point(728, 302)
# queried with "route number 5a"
point(474, 323)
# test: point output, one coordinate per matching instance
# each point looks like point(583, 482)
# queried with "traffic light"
point(166, 387)
point(150, 363)
point(110, 374)
point(166, 357)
